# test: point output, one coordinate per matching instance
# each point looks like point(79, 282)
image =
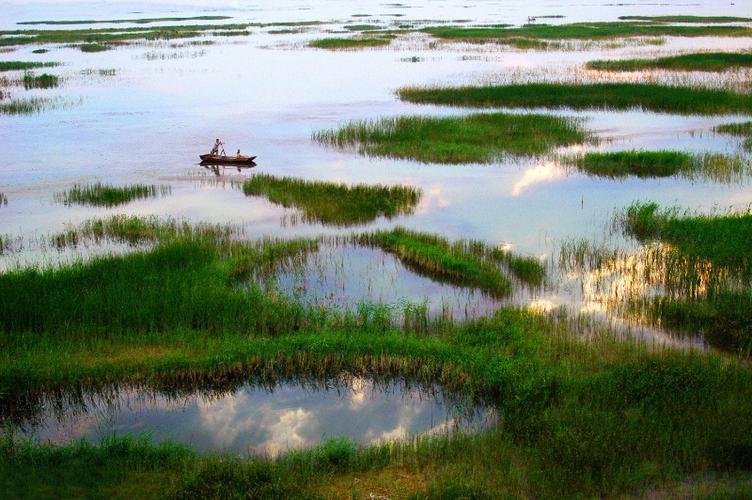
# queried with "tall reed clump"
point(648, 96)
point(647, 164)
point(701, 61)
point(108, 195)
point(332, 203)
point(477, 138)
point(25, 65)
point(43, 81)
point(26, 106)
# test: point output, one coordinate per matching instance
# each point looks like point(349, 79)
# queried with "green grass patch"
point(702, 61)
point(332, 203)
point(143, 20)
point(617, 96)
point(480, 138)
point(108, 195)
point(43, 81)
point(688, 19)
point(363, 27)
point(350, 43)
point(39, 51)
point(647, 164)
point(25, 65)
point(582, 31)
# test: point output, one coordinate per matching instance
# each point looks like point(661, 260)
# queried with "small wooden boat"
point(211, 159)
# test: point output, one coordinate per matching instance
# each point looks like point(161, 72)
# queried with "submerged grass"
point(351, 43)
point(25, 65)
point(108, 195)
point(332, 203)
point(702, 61)
point(25, 106)
point(620, 96)
point(480, 138)
point(743, 130)
point(648, 164)
point(582, 417)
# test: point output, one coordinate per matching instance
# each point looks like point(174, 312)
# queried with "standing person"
point(215, 149)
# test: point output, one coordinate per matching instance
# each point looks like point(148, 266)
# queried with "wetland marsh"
point(487, 250)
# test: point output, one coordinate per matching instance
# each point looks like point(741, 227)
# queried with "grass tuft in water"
point(351, 43)
point(43, 81)
point(332, 203)
point(681, 100)
point(93, 47)
point(478, 138)
point(108, 195)
point(647, 164)
point(26, 106)
point(743, 130)
point(703, 61)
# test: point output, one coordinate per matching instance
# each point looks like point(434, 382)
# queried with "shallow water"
point(267, 94)
point(263, 420)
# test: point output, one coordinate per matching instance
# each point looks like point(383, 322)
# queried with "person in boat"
point(237, 155)
point(215, 149)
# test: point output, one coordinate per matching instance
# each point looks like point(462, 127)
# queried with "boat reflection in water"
point(215, 167)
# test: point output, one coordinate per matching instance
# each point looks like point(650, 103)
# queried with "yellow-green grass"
point(701, 61)
point(616, 96)
point(333, 203)
point(351, 43)
point(648, 164)
point(476, 138)
point(109, 195)
point(25, 65)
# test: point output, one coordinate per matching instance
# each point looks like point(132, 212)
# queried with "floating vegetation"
point(108, 195)
point(688, 19)
point(39, 51)
point(619, 96)
point(93, 47)
point(332, 203)
point(144, 20)
point(363, 27)
point(647, 164)
point(480, 138)
point(702, 61)
point(582, 31)
point(166, 56)
point(351, 43)
point(26, 106)
point(99, 72)
point(25, 65)
point(43, 81)
point(743, 130)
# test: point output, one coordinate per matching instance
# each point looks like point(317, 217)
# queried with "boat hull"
point(227, 160)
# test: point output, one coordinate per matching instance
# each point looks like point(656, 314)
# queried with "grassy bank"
point(581, 417)
point(689, 19)
point(703, 61)
point(350, 43)
point(480, 138)
point(647, 164)
point(618, 96)
point(106, 195)
point(25, 65)
point(332, 203)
